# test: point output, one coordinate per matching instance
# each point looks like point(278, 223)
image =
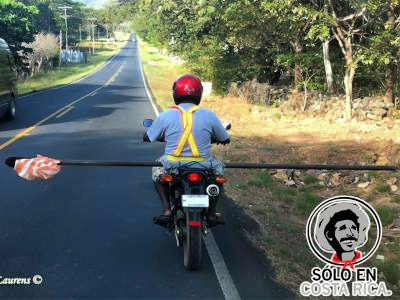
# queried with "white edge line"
point(221, 270)
point(224, 277)
point(144, 80)
point(76, 81)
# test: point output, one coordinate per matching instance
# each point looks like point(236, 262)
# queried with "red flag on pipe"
point(40, 167)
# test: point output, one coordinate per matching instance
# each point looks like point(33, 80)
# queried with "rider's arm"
point(157, 130)
point(220, 134)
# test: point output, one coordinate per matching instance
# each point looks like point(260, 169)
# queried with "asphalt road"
point(88, 232)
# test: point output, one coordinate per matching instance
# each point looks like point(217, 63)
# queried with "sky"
point(94, 3)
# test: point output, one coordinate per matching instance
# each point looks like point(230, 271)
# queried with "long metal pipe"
point(100, 163)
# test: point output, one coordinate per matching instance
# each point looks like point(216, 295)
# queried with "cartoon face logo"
point(339, 226)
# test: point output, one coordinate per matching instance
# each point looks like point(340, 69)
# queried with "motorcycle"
point(191, 190)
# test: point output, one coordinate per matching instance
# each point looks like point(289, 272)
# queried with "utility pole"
point(93, 26)
point(65, 8)
point(60, 46)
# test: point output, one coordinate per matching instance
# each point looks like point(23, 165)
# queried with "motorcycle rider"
point(188, 131)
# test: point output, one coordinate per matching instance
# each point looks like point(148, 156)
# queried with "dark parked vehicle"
point(8, 80)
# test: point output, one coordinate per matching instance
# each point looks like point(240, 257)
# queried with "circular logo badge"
point(37, 279)
point(338, 230)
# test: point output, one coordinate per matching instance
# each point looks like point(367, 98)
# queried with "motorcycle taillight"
point(194, 177)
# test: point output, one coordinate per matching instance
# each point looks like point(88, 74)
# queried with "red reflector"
point(195, 223)
point(194, 177)
point(220, 180)
point(167, 178)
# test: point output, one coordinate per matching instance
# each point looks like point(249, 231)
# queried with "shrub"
point(391, 271)
point(382, 188)
point(284, 194)
point(262, 179)
point(306, 202)
point(386, 214)
point(44, 48)
point(310, 179)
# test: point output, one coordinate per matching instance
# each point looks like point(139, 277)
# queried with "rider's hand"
point(227, 141)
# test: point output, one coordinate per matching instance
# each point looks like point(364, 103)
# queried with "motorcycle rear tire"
point(192, 243)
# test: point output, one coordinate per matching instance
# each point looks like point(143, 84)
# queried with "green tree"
point(16, 26)
point(296, 19)
point(348, 21)
point(239, 40)
point(383, 47)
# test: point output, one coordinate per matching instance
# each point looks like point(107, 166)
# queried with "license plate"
point(195, 201)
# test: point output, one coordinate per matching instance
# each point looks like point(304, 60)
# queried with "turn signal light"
point(194, 177)
point(220, 180)
point(166, 178)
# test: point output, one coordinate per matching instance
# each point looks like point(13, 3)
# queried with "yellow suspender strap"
point(186, 158)
point(187, 136)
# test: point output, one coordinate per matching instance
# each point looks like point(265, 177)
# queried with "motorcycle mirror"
point(147, 122)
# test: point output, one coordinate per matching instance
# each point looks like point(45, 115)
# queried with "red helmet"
point(187, 88)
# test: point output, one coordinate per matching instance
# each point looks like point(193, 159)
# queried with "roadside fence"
point(73, 56)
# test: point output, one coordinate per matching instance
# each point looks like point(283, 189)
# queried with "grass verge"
point(160, 72)
point(69, 73)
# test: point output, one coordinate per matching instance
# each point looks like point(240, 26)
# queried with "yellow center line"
point(17, 137)
point(26, 131)
point(64, 112)
point(116, 74)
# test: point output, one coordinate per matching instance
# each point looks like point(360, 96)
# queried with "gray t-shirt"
point(206, 126)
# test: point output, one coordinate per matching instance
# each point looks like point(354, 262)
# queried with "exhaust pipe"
point(212, 190)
